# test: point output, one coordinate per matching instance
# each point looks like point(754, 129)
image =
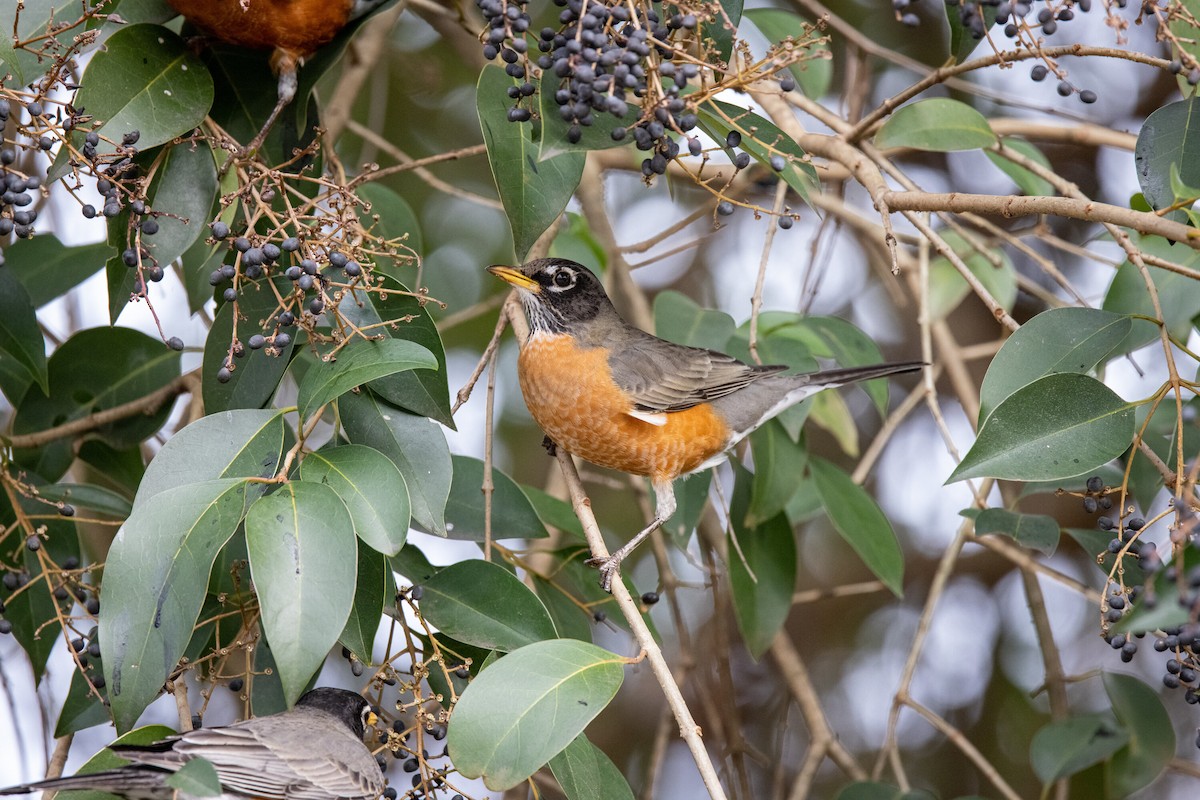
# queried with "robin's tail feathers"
point(131, 781)
point(828, 378)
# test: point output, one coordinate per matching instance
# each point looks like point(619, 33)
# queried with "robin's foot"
point(608, 570)
point(550, 446)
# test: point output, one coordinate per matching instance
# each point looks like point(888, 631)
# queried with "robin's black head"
point(556, 293)
point(349, 707)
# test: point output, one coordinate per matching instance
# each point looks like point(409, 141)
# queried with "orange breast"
point(298, 26)
point(571, 394)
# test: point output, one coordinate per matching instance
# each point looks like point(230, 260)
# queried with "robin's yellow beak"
point(372, 719)
point(515, 277)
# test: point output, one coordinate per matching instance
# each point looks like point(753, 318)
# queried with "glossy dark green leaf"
point(257, 374)
point(392, 218)
point(303, 557)
point(22, 350)
point(553, 139)
point(37, 16)
point(374, 587)
point(1168, 139)
point(80, 709)
point(579, 584)
point(827, 338)
point(1030, 184)
point(1178, 295)
point(485, 605)
point(231, 444)
point(1095, 544)
point(777, 462)
point(553, 512)
point(857, 518)
point(534, 192)
point(422, 391)
point(1058, 426)
point(107, 759)
point(571, 617)
point(812, 75)
point(1036, 531)
point(1063, 748)
point(49, 269)
point(145, 79)
point(358, 363)
point(962, 41)
point(86, 495)
point(513, 516)
point(762, 570)
point(679, 319)
point(762, 140)
point(134, 365)
point(721, 30)
point(32, 609)
point(1059, 340)
point(1151, 745)
point(183, 191)
point(416, 445)
point(372, 488)
point(585, 773)
point(528, 706)
point(412, 564)
point(155, 579)
point(939, 124)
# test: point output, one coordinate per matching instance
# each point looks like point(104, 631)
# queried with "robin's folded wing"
point(660, 376)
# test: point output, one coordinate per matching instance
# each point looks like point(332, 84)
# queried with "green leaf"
point(106, 759)
point(814, 74)
point(372, 488)
point(184, 190)
point(1168, 138)
point(938, 124)
point(196, 778)
point(585, 773)
point(858, 519)
point(553, 513)
point(1058, 426)
point(374, 587)
point(1036, 531)
point(1066, 747)
point(416, 446)
point(679, 319)
point(948, 288)
point(761, 139)
point(356, 364)
point(828, 337)
point(49, 269)
point(484, 604)
point(37, 16)
point(253, 382)
point(154, 584)
point(571, 619)
point(81, 709)
point(1059, 340)
point(302, 558)
point(513, 515)
point(777, 462)
point(762, 570)
point(86, 495)
point(81, 384)
point(231, 444)
point(1178, 295)
point(1151, 734)
point(22, 350)
point(534, 193)
point(392, 218)
point(527, 707)
point(962, 41)
point(1095, 544)
point(145, 79)
point(424, 391)
point(1029, 183)
point(721, 29)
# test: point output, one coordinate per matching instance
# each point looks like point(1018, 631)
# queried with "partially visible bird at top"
point(292, 29)
point(315, 751)
point(624, 399)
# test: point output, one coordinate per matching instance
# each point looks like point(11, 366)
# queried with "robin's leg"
point(285, 64)
point(550, 445)
point(664, 507)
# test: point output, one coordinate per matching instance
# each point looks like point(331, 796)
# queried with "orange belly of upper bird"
point(298, 26)
point(571, 394)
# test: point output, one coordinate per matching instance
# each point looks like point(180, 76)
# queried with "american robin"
point(314, 751)
point(292, 29)
point(621, 398)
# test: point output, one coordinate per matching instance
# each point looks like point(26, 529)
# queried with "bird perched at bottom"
point(292, 29)
point(315, 751)
point(621, 398)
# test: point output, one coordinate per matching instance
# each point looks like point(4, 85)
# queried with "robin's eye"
point(563, 278)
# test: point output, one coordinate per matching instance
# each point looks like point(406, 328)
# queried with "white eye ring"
point(557, 284)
